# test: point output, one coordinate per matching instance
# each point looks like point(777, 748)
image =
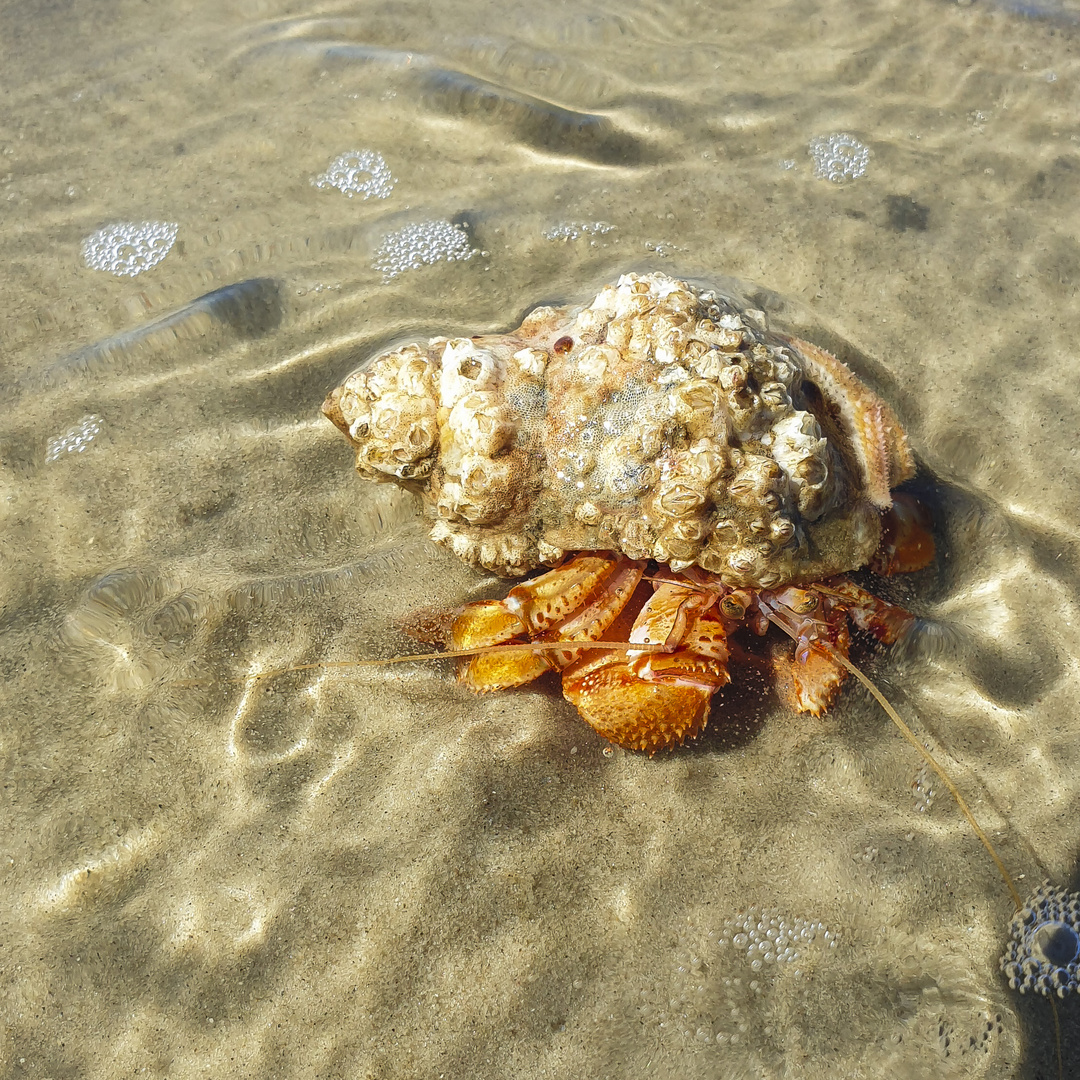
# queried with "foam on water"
point(358, 172)
point(129, 248)
point(839, 157)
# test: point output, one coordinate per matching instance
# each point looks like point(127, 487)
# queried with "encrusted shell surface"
point(660, 421)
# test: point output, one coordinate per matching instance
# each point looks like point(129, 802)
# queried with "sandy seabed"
point(210, 218)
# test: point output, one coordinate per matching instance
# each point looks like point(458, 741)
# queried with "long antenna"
point(908, 734)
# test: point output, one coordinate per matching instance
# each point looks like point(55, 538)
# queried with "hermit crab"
point(690, 479)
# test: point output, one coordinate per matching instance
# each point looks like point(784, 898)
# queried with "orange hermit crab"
point(663, 427)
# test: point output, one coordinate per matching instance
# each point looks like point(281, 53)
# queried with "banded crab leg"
point(574, 602)
point(868, 612)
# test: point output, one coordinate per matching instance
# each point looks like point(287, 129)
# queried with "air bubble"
point(839, 157)
point(422, 244)
point(574, 230)
point(75, 440)
point(358, 172)
point(128, 248)
point(923, 790)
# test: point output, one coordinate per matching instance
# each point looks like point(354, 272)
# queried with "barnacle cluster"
point(661, 421)
point(1044, 954)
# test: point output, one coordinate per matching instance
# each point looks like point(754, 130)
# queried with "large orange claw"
point(631, 712)
point(655, 700)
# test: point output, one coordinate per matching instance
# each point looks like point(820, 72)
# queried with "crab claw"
point(575, 602)
point(655, 700)
point(632, 712)
point(487, 623)
point(808, 685)
point(808, 677)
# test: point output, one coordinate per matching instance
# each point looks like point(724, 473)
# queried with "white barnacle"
point(603, 305)
point(709, 364)
point(388, 413)
point(415, 373)
point(670, 345)
point(596, 361)
point(481, 424)
point(632, 297)
point(381, 378)
point(532, 362)
point(745, 562)
point(662, 286)
point(591, 321)
point(355, 412)
point(727, 338)
point(678, 499)
point(588, 513)
point(672, 375)
point(799, 448)
point(466, 368)
point(699, 464)
point(483, 495)
point(696, 404)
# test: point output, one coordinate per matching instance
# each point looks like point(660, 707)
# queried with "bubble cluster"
point(839, 157)
point(1044, 954)
point(575, 230)
point(358, 172)
point(128, 248)
point(710, 998)
point(75, 440)
point(923, 790)
point(422, 244)
point(766, 937)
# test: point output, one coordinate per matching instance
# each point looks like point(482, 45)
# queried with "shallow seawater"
point(209, 217)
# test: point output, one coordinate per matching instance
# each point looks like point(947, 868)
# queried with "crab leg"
point(868, 612)
point(809, 678)
point(591, 623)
point(575, 602)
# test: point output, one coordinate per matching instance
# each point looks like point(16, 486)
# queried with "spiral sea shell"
point(660, 421)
